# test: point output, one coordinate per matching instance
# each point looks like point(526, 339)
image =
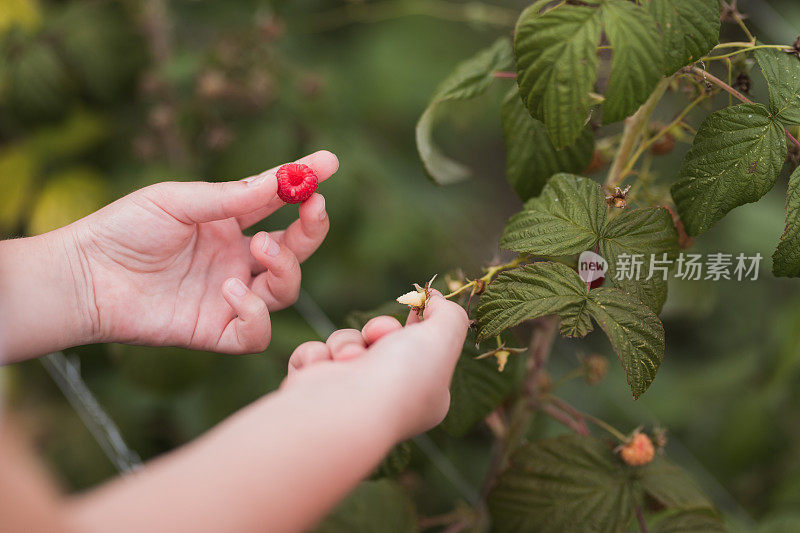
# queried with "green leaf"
point(650, 232)
point(671, 486)
point(570, 217)
point(477, 388)
point(782, 72)
point(373, 507)
point(395, 462)
point(547, 288)
point(557, 63)
point(536, 290)
point(566, 219)
point(689, 29)
point(531, 157)
point(470, 78)
point(696, 521)
point(736, 157)
point(570, 483)
point(557, 67)
point(635, 332)
point(637, 60)
point(786, 259)
point(651, 292)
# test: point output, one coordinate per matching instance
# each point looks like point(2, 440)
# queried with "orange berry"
point(638, 451)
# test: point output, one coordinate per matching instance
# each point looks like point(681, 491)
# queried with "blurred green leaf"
point(395, 462)
point(18, 170)
point(67, 196)
point(373, 507)
point(80, 131)
point(478, 387)
point(570, 483)
point(531, 157)
point(696, 521)
point(101, 49)
point(23, 14)
point(469, 79)
point(38, 82)
point(786, 259)
point(671, 486)
point(162, 370)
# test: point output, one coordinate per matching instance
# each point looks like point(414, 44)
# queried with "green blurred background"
point(98, 98)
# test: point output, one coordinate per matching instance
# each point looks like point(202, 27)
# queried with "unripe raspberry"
point(413, 299)
point(596, 368)
point(638, 451)
point(296, 183)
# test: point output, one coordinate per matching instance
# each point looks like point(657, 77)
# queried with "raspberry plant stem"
point(646, 145)
point(634, 126)
point(491, 272)
point(707, 76)
point(566, 407)
point(747, 49)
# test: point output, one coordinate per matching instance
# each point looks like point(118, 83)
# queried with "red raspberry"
point(296, 183)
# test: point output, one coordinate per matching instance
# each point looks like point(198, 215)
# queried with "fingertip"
point(348, 351)
point(234, 287)
point(308, 353)
point(264, 248)
point(324, 163)
point(329, 159)
point(312, 211)
point(378, 327)
point(440, 308)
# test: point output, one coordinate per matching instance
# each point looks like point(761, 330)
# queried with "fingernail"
point(236, 287)
point(322, 213)
point(270, 247)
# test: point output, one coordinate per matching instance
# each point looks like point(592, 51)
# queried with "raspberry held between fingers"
point(296, 183)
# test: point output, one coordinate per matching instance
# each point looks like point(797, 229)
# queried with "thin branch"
point(545, 330)
point(646, 145)
point(580, 415)
point(157, 27)
point(730, 7)
point(505, 74)
point(634, 126)
point(66, 373)
point(640, 519)
point(576, 425)
point(707, 76)
point(748, 49)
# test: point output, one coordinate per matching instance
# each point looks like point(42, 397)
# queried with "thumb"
point(200, 201)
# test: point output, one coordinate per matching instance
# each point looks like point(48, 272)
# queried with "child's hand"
point(413, 364)
point(168, 264)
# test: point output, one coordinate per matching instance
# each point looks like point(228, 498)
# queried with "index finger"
point(442, 314)
point(323, 163)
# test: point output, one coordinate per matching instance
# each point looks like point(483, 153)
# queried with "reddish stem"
point(724, 86)
point(505, 74)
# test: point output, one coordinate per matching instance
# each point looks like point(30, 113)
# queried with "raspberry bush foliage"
point(582, 81)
